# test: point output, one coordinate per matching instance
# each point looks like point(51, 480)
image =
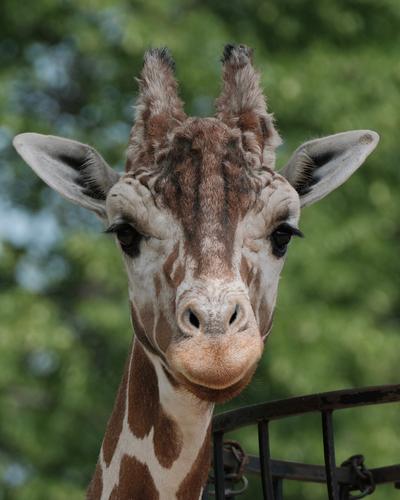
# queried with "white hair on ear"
point(318, 167)
point(73, 169)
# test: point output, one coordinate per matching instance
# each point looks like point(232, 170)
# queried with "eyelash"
point(128, 237)
point(281, 237)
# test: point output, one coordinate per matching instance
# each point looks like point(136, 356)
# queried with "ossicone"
point(242, 104)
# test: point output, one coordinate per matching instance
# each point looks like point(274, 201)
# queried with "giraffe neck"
point(157, 440)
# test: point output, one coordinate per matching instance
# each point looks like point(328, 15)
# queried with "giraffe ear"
point(318, 167)
point(74, 170)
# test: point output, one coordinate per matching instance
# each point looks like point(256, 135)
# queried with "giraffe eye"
point(281, 237)
point(125, 235)
point(128, 237)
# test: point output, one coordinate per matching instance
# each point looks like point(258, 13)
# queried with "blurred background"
point(67, 68)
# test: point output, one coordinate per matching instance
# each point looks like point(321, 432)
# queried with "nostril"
point(234, 315)
point(194, 320)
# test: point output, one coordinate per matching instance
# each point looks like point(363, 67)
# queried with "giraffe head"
point(202, 219)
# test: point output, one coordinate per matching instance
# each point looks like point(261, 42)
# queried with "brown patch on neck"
point(95, 488)
point(195, 480)
point(167, 440)
point(114, 426)
point(143, 393)
point(145, 411)
point(135, 482)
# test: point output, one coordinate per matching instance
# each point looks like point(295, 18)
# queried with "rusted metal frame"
point(329, 455)
point(265, 460)
point(278, 488)
point(324, 403)
point(335, 400)
point(296, 471)
point(219, 475)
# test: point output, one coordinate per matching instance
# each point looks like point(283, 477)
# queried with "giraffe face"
point(201, 217)
point(204, 239)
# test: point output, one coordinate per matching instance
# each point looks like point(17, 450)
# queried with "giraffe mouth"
point(218, 368)
point(220, 385)
point(217, 395)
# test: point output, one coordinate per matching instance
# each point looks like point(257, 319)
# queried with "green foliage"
point(68, 68)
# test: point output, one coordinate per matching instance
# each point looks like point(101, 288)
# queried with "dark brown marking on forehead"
point(206, 184)
point(135, 482)
point(145, 411)
point(194, 481)
point(95, 488)
point(114, 426)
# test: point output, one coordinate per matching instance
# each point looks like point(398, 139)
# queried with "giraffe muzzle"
point(219, 343)
point(213, 317)
point(216, 368)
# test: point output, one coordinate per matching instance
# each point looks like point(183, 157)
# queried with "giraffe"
point(203, 221)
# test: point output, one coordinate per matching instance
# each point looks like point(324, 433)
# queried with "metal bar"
point(329, 455)
point(334, 400)
point(273, 472)
point(265, 466)
point(295, 471)
point(219, 466)
point(278, 488)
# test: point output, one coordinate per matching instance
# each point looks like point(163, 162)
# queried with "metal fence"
point(349, 481)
